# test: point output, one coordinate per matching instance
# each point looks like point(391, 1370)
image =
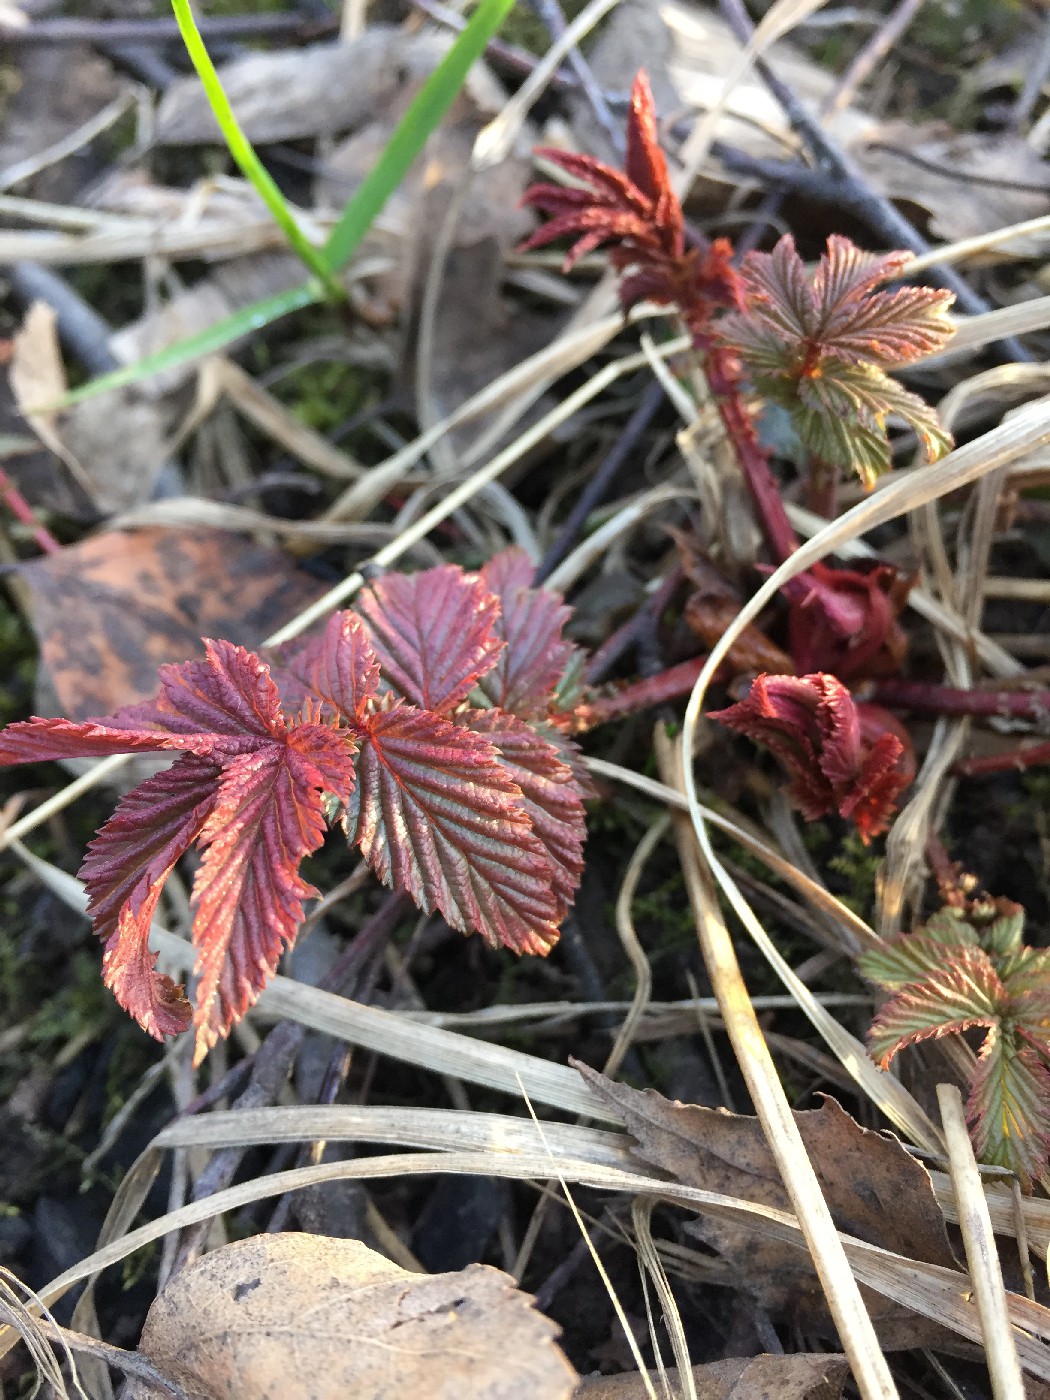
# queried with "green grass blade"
point(428, 107)
point(243, 151)
point(195, 347)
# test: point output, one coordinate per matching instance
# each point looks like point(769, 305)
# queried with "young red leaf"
point(434, 633)
point(639, 215)
point(842, 757)
point(248, 790)
point(436, 815)
point(550, 795)
point(964, 991)
point(124, 870)
point(845, 621)
point(530, 622)
point(267, 816)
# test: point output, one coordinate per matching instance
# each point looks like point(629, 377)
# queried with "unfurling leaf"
point(842, 757)
point(474, 812)
point(821, 347)
point(967, 968)
point(638, 215)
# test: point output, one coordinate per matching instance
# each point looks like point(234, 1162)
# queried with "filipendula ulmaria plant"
point(418, 723)
point(968, 969)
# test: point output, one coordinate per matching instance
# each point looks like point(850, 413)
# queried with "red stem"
point(925, 699)
point(1013, 761)
point(671, 684)
point(23, 511)
point(754, 463)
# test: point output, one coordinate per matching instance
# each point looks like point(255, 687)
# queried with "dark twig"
point(550, 12)
point(81, 330)
point(602, 481)
point(881, 216)
point(924, 699)
point(647, 616)
point(1017, 760)
point(164, 31)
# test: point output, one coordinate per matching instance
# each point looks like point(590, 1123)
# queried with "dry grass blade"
point(982, 1257)
point(632, 945)
point(941, 1294)
point(857, 1335)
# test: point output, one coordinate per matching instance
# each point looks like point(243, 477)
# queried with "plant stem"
point(926, 699)
point(671, 684)
point(23, 512)
point(1017, 760)
point(243, 152)
point(754, 463)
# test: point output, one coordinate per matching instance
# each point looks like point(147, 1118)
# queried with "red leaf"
point(434, 634)
point(530, 622)
point(549, 791)
point(436, 815)
point(266, 818)
point(340, 666)
point(842, 757)
point(248, 790)
point(124, 870)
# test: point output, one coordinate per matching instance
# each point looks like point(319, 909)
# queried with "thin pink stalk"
point(23, 512)
point(671, 684)
point(1017, 760)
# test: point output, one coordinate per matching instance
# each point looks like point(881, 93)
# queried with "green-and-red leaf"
point(965, 991)
point(912, 956)
point(434, 633)
point(1009, 1106)
point(436, 815)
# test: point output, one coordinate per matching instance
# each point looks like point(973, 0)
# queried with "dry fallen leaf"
point(109, 611)
point(321, 90)
point(803, 1376)
point(329, 1319)
point(968, 183)
point(874, 1189)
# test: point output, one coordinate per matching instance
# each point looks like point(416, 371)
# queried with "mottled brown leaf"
point(109, 611)
point(801, 1376)
point(874, 1189)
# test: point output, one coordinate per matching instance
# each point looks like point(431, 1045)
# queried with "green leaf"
point(207, 342)
point(1009, 1106)
point(243, 151)
point(907, 959)
point(409, 138)
point(425, 112)
point(964, 991)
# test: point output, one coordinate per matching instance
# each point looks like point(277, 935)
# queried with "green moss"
point(859, 866)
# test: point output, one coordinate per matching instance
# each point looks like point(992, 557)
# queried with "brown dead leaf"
point(328, 1319)
point(967, 183)
point(109, 611)
point(803, 1376)
point(874, 1189)
point(321, 90)
point(114, 446)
